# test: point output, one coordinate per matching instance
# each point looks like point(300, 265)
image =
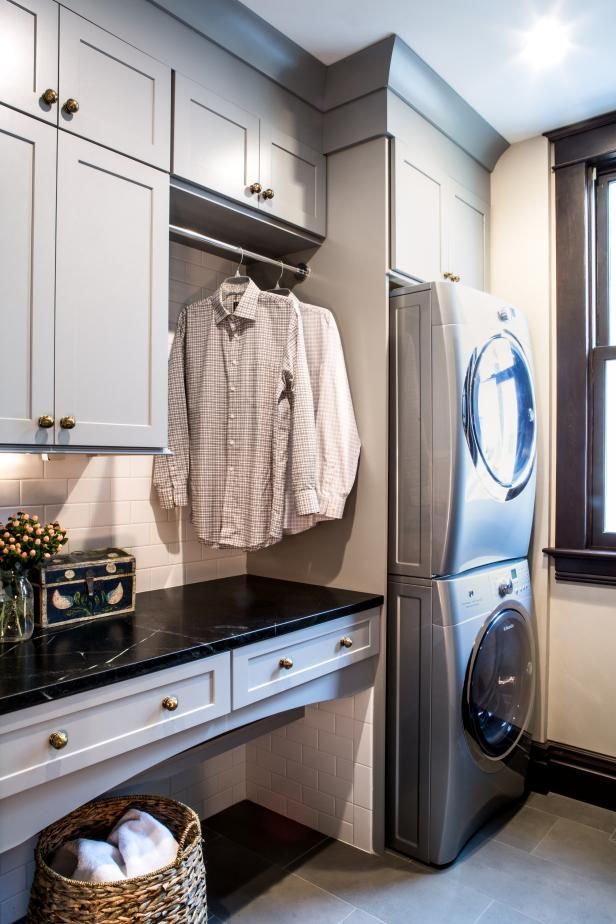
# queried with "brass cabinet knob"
point(46, 421)
point(50, 96)
point(287, 663)
point(346, 642)
point(71, 106)
point(67, 423)
point(58, 740)
point(170, 703)
point(452, 277)
point(268, 194)
point(255, 187)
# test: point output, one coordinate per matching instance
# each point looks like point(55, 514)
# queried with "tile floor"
point(550, 860)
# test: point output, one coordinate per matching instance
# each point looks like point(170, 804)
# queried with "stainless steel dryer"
point(461, 686)
point(462, 431)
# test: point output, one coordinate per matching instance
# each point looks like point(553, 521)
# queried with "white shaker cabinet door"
point(467, 217)
point(29, 56)
point(293, 177)
point(123, 95)
point(215, 142)
point(27, 258)
point(418, 201)
point(111, 299)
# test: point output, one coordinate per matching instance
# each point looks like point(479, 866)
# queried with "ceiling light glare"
point(547, 43)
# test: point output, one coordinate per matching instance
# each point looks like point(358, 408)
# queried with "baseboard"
point(573, 772)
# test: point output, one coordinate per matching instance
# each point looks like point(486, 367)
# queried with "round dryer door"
point(499, 415)
point(500, 684)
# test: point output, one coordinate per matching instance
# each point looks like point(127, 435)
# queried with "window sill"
point(584, 566)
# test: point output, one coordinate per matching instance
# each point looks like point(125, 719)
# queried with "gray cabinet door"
point(467, 217)
point(215, 142)
point(111, 298)
point(295, 174)
point(27, 258)
point(418, 203)
point(29, 55)
point(124, 95)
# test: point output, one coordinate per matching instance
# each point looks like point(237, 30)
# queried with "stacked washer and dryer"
point(461, 638)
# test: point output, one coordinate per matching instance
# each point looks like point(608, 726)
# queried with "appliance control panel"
point(513, 581)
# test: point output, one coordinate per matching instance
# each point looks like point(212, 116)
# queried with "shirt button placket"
point(229, 515)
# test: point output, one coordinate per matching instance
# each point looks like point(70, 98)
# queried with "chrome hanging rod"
point(301, 271)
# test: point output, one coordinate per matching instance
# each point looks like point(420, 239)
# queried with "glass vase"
point(16, 607)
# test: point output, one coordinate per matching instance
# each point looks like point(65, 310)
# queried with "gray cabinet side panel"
point(409, 647)
point(410, 436)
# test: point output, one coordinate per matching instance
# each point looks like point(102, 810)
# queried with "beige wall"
point(576, 623)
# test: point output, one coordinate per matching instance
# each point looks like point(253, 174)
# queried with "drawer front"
point(124, 95)
point(270, 667)
point(97, 733)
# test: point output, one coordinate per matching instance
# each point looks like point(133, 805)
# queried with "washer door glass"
point(502, 409)
point(500, 684)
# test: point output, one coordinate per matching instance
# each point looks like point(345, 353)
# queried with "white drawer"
point(259, 670)
point(131, 715)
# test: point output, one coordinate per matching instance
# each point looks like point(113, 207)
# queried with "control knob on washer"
point(505, 588)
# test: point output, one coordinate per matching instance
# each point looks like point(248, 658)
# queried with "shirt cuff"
point(333, 507)
point(306, 501)
point(172, 496)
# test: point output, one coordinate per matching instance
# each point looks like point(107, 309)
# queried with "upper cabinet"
point(221, 146)
point(112, 93)
point(439, 228)
point(27, 267)
point(29, 57)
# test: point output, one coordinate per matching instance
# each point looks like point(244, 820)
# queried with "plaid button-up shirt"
point(239, 389)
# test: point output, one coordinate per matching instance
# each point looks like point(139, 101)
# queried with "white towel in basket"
point(139, 844)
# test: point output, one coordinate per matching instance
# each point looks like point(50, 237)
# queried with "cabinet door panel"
point(111, 298)
point(29, 55)
point(215, 142)
point(296, 174)
point(467, 216)
point(27, 256)
point(124, 95)
point(417, 210)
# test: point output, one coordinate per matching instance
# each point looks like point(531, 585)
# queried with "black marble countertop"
point(169, 627)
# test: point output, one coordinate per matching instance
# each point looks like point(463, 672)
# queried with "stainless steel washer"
point(461, 687)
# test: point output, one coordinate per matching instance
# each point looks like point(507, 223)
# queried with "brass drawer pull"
point(452, 277)
point(287, 663)
point(50, 96)
point(45, 421)
point(346, 642)
point(255, 187)
point(170, 703)
point(71, 106)
point(58, 740)
point(67, 423)
point(268, 194)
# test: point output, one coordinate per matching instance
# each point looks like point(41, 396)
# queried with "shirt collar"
point(248, 300)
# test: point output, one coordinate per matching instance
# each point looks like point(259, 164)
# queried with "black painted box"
point(79, 586)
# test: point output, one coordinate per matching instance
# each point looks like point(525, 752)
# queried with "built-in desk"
point(84, 708)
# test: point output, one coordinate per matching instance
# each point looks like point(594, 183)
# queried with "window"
point(585, 167)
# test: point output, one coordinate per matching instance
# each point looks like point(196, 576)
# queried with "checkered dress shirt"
point(338, 442)
point(239, 389)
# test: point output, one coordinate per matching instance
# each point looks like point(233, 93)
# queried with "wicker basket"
point(175, 894)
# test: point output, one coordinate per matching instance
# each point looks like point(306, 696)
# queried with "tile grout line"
point(541, 840)
point(306, 852)
point(572, 820)
point(487, 908)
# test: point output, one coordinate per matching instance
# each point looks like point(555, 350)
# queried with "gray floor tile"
point(393, 890)
point(362, 917)
point(525, 828)
point(549, 892)
point(498, 913)
point(291, 900)
point(583, 812)
point(586, 850)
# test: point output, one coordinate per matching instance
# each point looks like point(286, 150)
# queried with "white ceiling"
point(477, 46)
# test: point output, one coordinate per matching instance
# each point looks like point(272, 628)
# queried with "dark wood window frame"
point(584, 154)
